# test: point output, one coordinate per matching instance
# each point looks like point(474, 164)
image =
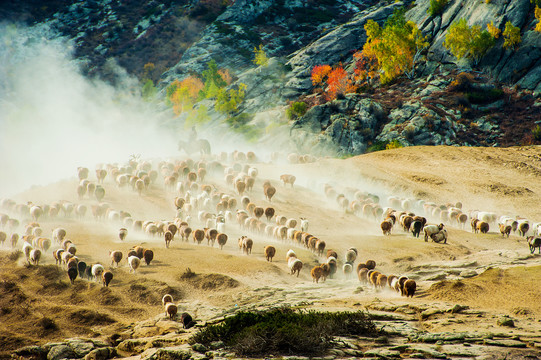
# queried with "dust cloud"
point(53, 118)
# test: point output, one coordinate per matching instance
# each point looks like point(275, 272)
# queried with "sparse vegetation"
point(260, 58)
point(285, 331)
point(296, 110)
point(536, 133)
point(436, 7)
point(395, 144)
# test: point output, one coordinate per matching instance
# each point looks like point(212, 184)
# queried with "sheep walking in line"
point(534, 242)
point(270, 251)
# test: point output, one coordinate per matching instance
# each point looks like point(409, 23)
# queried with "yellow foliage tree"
point(397, 46)
point(183, 94)
point(493, 30)
point(261, 58)
point(511, 35)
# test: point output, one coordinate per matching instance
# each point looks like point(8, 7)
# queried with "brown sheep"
point(401, 281)
point(269, 213)
point(482, 226)
point(240, 186)
point(258, 212)
point(474, 225)
point(148, 255)
point(320, 247)
point(168, 237)
point(410, 287)
point(386, 227)
point(211, 234)
point(198, 236)
point(390, 279)
point(523, 228)
point(288, 179)
point(381, 281)
point(139, 250)
point(317, 273)
point(247, 244)
point(332, 253)
point(106, 278)
point(269, 192)
point(370, 264)
point(167, 298)
point(186, 320)
point(222, 240)
point(270, 251)
point(295, 265)
point(363, 275)
point(171, 310)
point(505, 230)
point(116, 257)
point(534, 242)
point(373, 277)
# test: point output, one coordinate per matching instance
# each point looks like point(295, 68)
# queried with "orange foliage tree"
point(339, 83)
point(183, 94)
point(320, 73)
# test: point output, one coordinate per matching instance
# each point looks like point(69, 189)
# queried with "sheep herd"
point(216, 195)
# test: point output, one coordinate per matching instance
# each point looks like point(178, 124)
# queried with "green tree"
point(296, 110)
point(227, 102)
point(197, 116)
point(468, 42)
point(149, 91)
point(213, 80)
point(511, 36)
point(260, 58)
point(436, 7)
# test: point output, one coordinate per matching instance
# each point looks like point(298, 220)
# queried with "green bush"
point(436, 7)
point(536, 133)
point(285, 331)
point(296, 110)
point(377, 146)
point(483, 97)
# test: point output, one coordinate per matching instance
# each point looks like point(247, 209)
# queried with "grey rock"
point(30, 352)
point(199, 348)
point(217, 345)
point(506, 343)
point(80, 347)
point(505, 321)
point(102, 353)
point(468, 273)
point(383, 353)
point(61, 352)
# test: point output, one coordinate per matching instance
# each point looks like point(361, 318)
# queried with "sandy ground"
point(39, 305)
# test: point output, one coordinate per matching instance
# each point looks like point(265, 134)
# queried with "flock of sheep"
point(217, 211)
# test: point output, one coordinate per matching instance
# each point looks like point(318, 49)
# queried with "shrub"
point(463, 82)
point(227, 102)
point(436, 7)
point(483, 97)
point(320, 73)
point(536, 133)
point(395, 144)
point(511, 36)
point(285, 331)
point(493, 30)
point(296, 110)
point(149, 91)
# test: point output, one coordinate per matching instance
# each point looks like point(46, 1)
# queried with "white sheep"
point(134, 263)
point(295, 265)
point(59, 234)
point(440, 236)
point(97, 271)
point(35, 255)
point(27, 248)
point(167, 299)
point(304, 224)
point(429, 230)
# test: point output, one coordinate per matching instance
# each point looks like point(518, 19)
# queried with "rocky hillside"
point(494, 103)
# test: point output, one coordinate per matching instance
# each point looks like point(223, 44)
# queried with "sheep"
point(363, 275)
point(304, 224)
point(59, 234)
point(35, 255)
point(171, 310)
point(167, 299)
point(320, 247)
point(288, 179)
point(473, 224)
point(198, 236)
point(440, 236)
point(139, 250)
point(269, 213)
point(134, 262)
point(99, 193)
point(431, 229)
point(505, 229)
point(295, 265)
point(81, 268)
point(270, 251)
point(416, 227)
point(187, 321)
point(269, 192)
point(291, 223)
point(148, 255)
point(14, 238)
point(168, 237)
point(332, 253)
point(333, 266)
point(57, 254)
point(247, 244)
point(523, 228)
point(401, 281)
point(97, 271)
point(482, 226)
point(72, 275)
point(351, 255)
point(347, 268)
point(290, 253)
point(534, 242)
point(222, 240)
point(381, 281)
point(370, 264)
point(317, 273)
point(106, 278)
point(27, 248)
point(390, 280)
point(116, 257)
point(410, 287)
point(386, 226)
point(72, 262)
point(122, 233)
point(3, 237)
point(373, 277)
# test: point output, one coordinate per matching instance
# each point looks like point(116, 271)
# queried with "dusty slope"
point(501, 180)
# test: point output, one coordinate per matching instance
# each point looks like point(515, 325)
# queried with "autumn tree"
point(493, 30)
point(511, 36)
point(338, 83)
point(320, 73)
point(468, 42)
point(183, 94)
point(227, 102)
point(397, 46)
point(260, 58)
